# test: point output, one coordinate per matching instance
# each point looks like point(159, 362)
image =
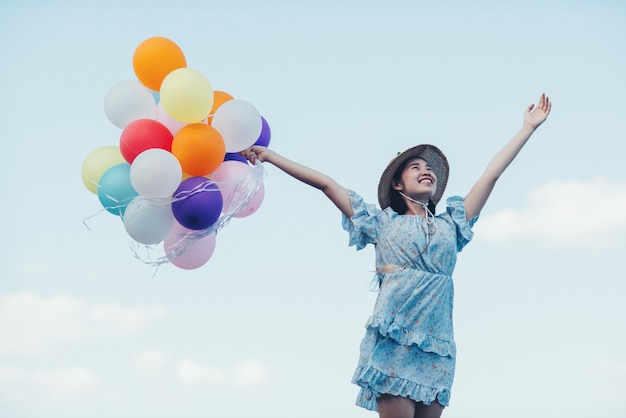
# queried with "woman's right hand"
point(256, 152)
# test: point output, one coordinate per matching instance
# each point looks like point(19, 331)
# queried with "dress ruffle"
point(362, 227)
point(392, 385)
point(456, 209)
point(408, 337)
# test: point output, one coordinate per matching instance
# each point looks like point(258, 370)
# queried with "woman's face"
point(417, 179)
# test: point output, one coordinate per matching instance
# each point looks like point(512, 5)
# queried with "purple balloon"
point(266, 134)
point(197, 203)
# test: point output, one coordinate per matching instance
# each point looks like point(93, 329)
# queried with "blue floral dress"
point(408, 349)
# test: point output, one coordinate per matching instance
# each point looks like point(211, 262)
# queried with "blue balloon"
point(156, 95)
point(234, 156)
point(115, 190)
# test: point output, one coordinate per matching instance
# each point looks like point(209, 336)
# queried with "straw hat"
point(432, 155)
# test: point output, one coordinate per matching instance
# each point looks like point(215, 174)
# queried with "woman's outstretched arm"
point(478, 195)
point(335, 192)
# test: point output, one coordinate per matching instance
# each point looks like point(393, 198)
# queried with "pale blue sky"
point(271, 325)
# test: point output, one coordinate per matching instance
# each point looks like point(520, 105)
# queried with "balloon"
point(199, 148)
point(155, 58)
point(239, 123)
point(156, 95)
point(254, 204)
point(144, 134)
point(186, 250)
point(97, 162)
point(155, 173)
point(166, 120)
point(266, 134)
point(187, 95)
point(115, 190)
point(127, 101)
point(227, 177)
point(234, 156)
point(219, 98)
point(148, 221)
point(197, 203)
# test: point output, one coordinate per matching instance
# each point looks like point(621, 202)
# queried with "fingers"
point(544, 104)
point(249, 154)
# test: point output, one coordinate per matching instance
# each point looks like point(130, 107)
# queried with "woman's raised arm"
point(478, 195)
point(335, 192)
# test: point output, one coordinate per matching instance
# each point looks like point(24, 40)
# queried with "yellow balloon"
point(186, 95)
point(97, 162)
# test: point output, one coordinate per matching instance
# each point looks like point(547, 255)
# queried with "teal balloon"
point(115, 190)
point(156, 95)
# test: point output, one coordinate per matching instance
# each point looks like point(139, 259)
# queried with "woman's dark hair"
point(396, 201)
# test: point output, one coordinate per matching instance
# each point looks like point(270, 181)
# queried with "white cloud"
point(20, 383)
point(247, 374)
point(608, 368)
point(588, 213)
point(251, 373)
point(30, 323)
point(193, 373)
point(152, 362)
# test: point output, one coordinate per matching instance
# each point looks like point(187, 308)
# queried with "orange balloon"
point(155, 58)
point(219, 98)
point(199, 148)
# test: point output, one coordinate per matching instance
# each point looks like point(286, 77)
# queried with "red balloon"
point(143, 134)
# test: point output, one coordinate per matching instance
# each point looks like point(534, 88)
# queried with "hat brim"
point(432, 155)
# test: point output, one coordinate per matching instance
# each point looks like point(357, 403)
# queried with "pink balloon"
point(185, 250)
point(227, 177)
point(254, 204)
point(170, 123)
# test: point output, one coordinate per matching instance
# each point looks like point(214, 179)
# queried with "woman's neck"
point(414, 206)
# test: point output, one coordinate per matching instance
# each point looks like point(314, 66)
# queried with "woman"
point(407, 360)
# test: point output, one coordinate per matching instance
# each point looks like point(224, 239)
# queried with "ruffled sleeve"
point(456, 209)
point(363, 226)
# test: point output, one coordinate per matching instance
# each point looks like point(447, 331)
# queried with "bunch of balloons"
point(176, 178)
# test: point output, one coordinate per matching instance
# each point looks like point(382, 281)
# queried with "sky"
point(271, 325)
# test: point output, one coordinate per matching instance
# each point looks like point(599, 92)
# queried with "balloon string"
point(244, 189)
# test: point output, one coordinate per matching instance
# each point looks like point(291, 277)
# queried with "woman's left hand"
point(535, 116)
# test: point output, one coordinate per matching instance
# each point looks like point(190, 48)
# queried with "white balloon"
point(155, 173)
point(148, 221)
point(127, 101)
point(239, 123)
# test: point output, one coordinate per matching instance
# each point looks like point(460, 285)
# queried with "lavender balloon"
point(197, 203)
point(266, 134)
